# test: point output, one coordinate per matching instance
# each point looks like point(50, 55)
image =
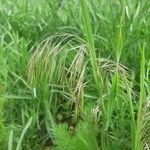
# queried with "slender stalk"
point(138, 134)
point(131, 107)
point(91, 47)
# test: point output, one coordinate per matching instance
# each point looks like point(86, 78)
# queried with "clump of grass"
point(70, 76)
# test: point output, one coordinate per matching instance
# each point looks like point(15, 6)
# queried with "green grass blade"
point(138, 136)
point(91, 47)
point(23, 134)
point(10, 142)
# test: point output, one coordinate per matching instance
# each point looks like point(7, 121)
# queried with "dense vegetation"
point(75, 75)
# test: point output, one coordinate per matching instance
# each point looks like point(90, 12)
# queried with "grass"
point(138, 136)
point(74, 75)
point(91, 47)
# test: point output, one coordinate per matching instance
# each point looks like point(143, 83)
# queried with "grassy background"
point(75, 74)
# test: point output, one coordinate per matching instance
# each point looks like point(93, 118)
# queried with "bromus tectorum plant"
point(74, 75)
